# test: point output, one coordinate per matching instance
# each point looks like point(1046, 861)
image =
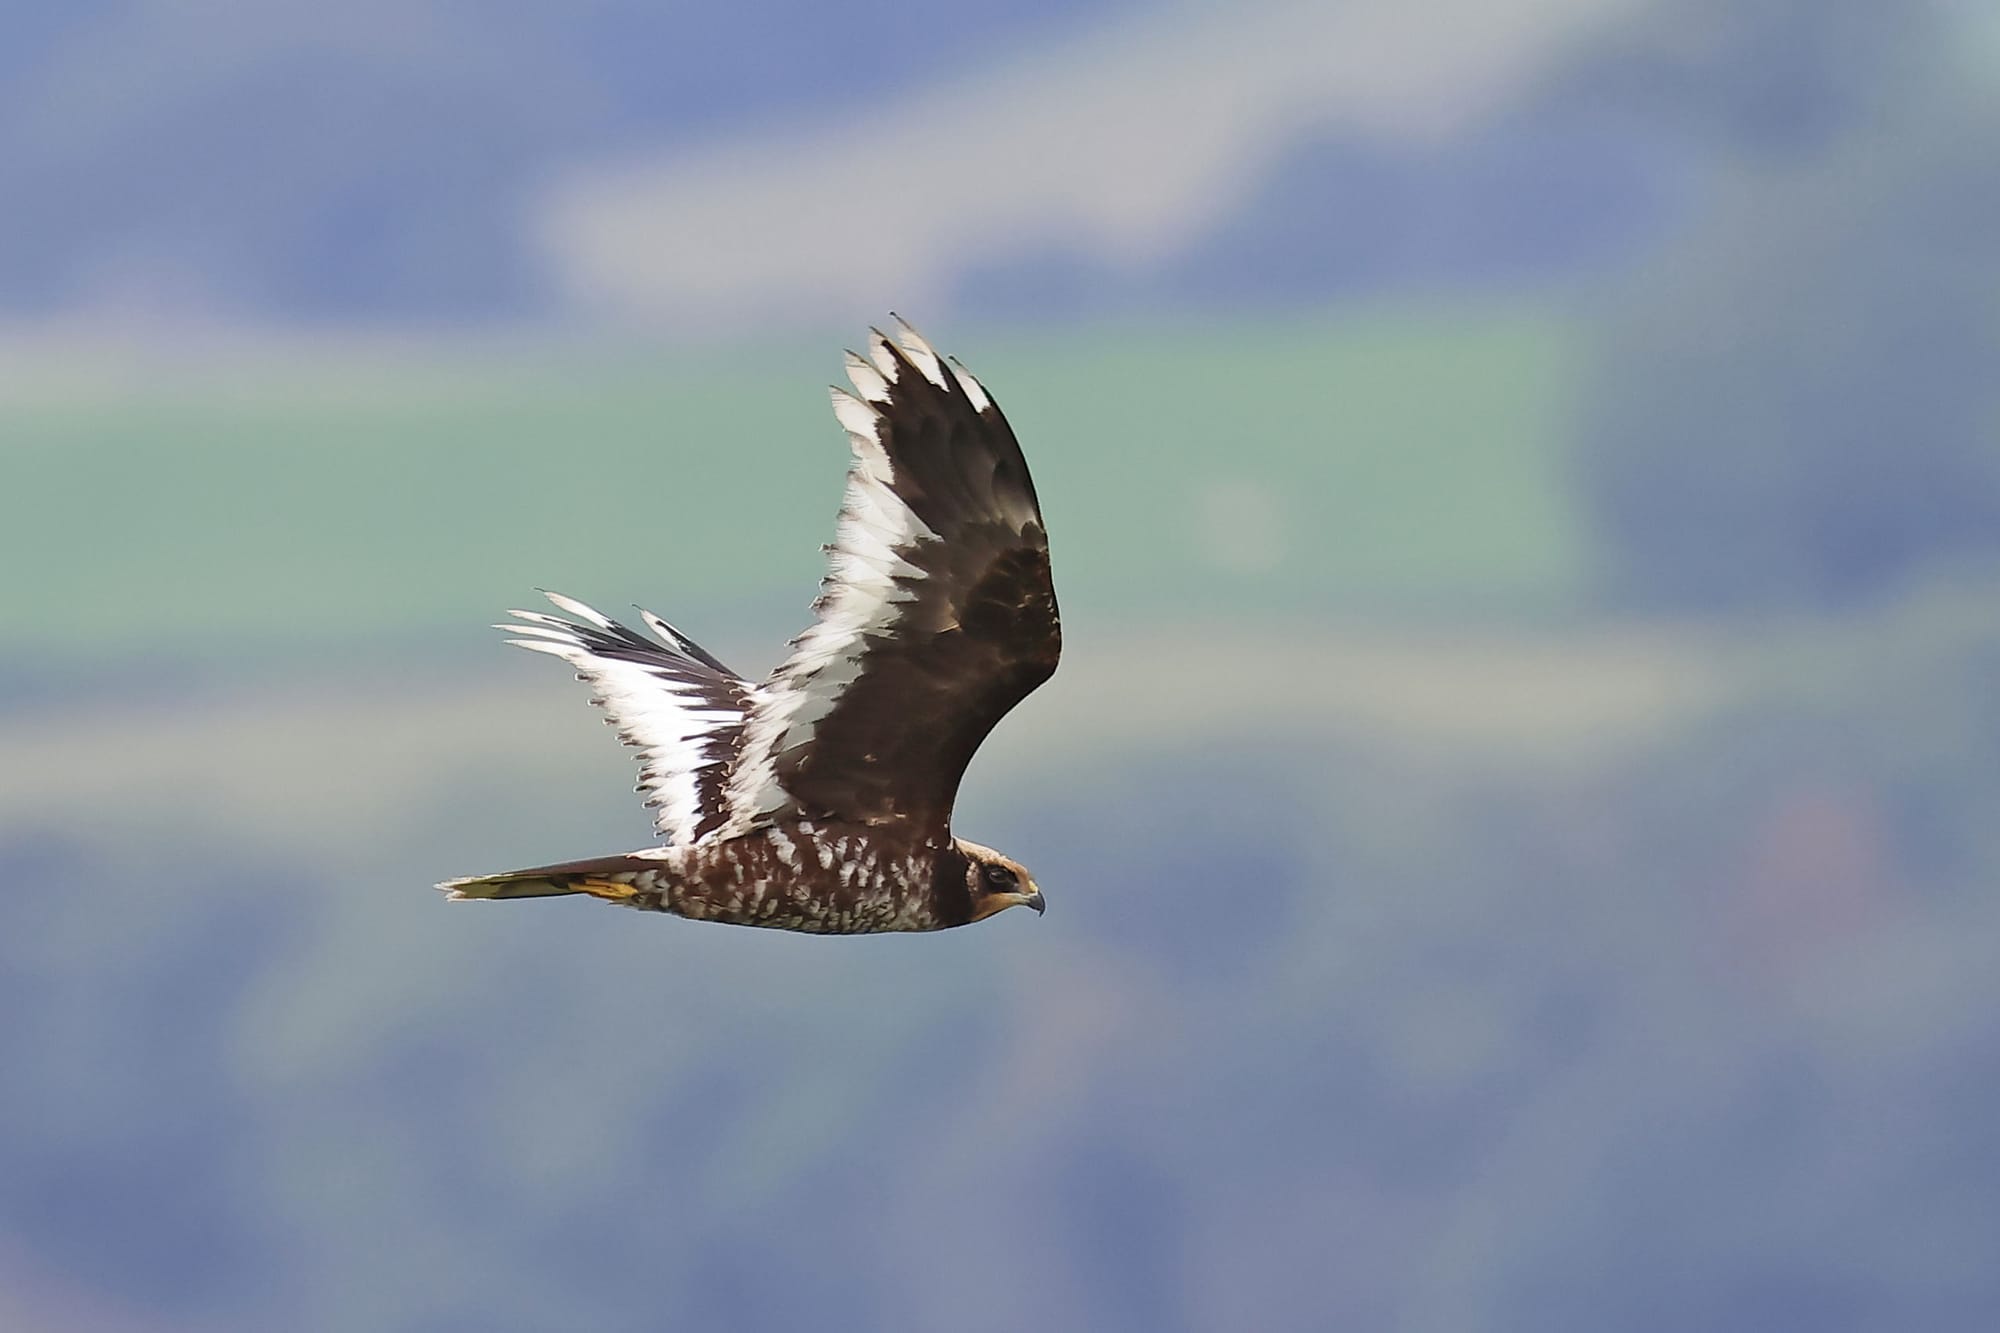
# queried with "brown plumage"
point(820, 799)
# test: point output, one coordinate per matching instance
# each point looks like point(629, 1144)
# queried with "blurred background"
point(1520, 810)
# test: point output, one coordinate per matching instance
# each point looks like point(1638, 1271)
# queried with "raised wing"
point(936, 617)
point(682, 709)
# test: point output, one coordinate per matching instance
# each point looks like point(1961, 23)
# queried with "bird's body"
point(823, 879)
point(820, 799)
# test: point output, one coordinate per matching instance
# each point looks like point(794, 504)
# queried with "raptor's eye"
point(999, 879)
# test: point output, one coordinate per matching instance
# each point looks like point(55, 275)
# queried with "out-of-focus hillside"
point(1390, 983)
point(518, 162)
point(686, 166)
point(381, 161)
point(1310, 463)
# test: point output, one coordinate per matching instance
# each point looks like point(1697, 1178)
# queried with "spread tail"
point(612, 877)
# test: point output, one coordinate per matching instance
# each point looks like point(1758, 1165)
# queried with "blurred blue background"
point(1520, 810)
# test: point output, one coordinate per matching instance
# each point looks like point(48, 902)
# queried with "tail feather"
point(613, 877)
point(481, 888)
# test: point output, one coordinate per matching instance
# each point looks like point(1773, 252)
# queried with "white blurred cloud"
point(1123, 146)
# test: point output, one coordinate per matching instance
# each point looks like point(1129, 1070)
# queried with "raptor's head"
point(997, 882)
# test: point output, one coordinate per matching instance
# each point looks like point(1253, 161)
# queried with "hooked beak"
point(1036, 901)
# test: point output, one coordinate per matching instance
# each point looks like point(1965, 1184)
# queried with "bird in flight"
point(820, 798)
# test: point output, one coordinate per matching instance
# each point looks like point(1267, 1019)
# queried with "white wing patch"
point(860, 597)
point(973, 388)
point(667, 703)
point(921, 353)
